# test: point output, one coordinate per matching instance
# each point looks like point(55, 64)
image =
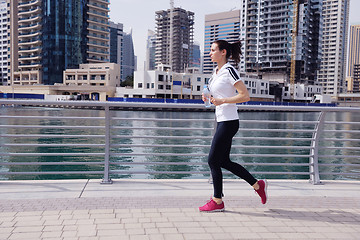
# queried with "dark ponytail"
point(233, 50)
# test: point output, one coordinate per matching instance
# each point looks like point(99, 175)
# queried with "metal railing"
point(110, 145)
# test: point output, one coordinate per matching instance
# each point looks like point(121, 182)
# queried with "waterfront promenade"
point(167, 209)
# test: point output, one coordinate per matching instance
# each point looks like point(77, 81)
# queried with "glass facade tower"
point(226, 26)
point(64, 30)
point(56, 35)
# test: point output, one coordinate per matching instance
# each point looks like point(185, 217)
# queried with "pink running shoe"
point(212, 206)
point(262, 191)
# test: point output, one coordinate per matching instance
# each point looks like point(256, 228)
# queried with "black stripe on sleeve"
point(233, 73)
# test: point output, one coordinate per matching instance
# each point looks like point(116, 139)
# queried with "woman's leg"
point(220, 151)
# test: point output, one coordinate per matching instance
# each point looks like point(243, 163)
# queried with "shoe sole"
point(216, 210)
point(266, 195)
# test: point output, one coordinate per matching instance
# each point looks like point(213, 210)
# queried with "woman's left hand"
point(217, 101)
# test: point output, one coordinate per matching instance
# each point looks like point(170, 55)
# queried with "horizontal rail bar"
point(211, 129)
point(49, 136)
point(176, 105)
point(341, 139)
point(338, 156)
point(203, 155)
point(48, 163)
point(51, 154)
point(52, 126)
point(162, 119)
point(278, 122)
point(51, 145)
point(210, 120)
point(210, 137)
point(200, 172)
point(341, 131)
point(205, 146)
point(51, 173)
point(342, 123)
point(162, 128)
point(205, 164)
point(340, 148)
point(54, 117)
point(339, 164)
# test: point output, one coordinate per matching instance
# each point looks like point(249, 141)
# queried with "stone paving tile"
point(130, 218)
point(227, 225)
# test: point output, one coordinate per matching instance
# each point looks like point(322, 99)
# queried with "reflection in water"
point(192, 142)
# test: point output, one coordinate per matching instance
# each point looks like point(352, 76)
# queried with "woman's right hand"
point(203, 97)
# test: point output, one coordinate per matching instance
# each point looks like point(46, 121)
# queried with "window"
point(148, 85)
point(84, 77)
point(198, 88)
point(168, 87)
point(92, 77)
point(139, 85)
point(199, 79)
point(160, 86)
point(152, 85)
point(161, 78)
point(102, 77)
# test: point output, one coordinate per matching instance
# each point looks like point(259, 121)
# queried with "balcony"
point(30, 26)
point(100, 7)
point(98, 37)
point(99, 29)
point(28, 19)
point(33, 41)
point(28, 4)
point(28, 35)
point(98, 14)
point(30, 11)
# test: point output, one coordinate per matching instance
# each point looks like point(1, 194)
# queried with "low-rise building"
point(302, 92)
point(96, 74)
point(163, 83)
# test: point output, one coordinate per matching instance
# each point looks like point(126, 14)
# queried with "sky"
point(139, 16)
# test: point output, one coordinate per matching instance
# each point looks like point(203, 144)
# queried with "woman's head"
point(222, 48)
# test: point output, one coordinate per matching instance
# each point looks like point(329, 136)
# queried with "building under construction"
point(174, 38)
point(282, 39)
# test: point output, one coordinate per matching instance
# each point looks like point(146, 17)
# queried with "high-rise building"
point(116, 43)
point(174, 44)
point(129, 60)
point(46, 37)
point(195, 61)
point(356, 85)
point(225, 26)
point(150, 51)
point(334, 44)
point(3, 43)
point(274, 31)
point(354, 57)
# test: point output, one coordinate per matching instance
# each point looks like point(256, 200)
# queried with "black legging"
point(219, 156)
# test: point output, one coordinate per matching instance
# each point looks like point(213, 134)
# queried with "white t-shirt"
point(221, 85)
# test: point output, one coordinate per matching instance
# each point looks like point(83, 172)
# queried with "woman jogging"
point(226, 89)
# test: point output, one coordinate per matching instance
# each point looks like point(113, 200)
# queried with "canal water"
point(140, 130)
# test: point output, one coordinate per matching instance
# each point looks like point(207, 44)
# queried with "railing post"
point(314, 159)
point(106, 179)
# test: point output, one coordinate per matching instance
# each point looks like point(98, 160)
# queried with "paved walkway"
point(167, 209)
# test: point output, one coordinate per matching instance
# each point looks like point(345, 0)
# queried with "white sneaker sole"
point(216, 210)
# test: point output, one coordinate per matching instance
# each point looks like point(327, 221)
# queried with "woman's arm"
point(242, 96)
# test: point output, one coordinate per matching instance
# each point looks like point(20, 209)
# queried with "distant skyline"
point(139, 16)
